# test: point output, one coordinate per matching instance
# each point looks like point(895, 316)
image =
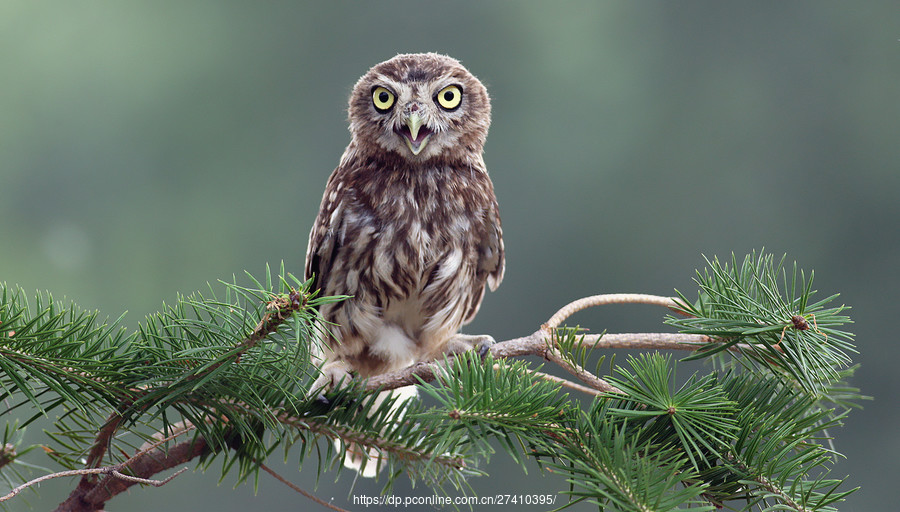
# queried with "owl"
point(409, 226)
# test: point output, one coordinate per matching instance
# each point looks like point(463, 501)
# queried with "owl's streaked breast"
point(410, 246)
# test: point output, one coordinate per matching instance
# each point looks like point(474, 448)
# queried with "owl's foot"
point(334, 375)
point(480, 343)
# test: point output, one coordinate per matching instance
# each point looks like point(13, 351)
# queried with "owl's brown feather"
point(413, 238)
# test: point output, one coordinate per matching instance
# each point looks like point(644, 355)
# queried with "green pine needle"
point(778, 324)
point(699, 413)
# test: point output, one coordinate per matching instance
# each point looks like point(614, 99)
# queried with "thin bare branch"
point(280, 309)
point(147, 481)
point(114, 470)
point(61, 474)
point(536, 344)
point(305, 494)
point(149, 464)
point(608, 298)
point(149, 460)
point(657, 341)
point(553, 355)
point(566, 383)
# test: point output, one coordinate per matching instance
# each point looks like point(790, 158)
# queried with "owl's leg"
point(459, 343)
point(369, 461)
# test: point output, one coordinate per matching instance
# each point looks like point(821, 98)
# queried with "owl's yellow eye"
point(383, 99)
point(449, 97)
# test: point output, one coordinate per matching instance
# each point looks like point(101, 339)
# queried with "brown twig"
point(608, 298)
point(144, 466)
point(553, 355)
point(305, 494)
point(535, 345)
point(114, 471)
point(109, 470)
point(280, 309)
point(566, 383)
point(98, 451)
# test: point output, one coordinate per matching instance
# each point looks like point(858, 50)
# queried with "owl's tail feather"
point(369, 461)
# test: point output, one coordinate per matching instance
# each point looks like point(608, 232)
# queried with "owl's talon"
point(479, 343)
point(484, 347)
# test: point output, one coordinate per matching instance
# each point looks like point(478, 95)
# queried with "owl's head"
point(420, 106)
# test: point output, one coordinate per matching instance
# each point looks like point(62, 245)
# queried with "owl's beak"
point(415, 133)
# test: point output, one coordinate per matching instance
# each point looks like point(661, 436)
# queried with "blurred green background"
point(149, 148)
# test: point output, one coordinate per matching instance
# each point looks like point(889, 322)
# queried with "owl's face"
point(420, 106)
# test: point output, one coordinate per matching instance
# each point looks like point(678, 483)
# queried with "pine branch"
point(779, 326)
point(235, 369)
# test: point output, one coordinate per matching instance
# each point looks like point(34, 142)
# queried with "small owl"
point(409, 226)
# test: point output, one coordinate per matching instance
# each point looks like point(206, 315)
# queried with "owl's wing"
point(322, 239)
point(491, 262)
